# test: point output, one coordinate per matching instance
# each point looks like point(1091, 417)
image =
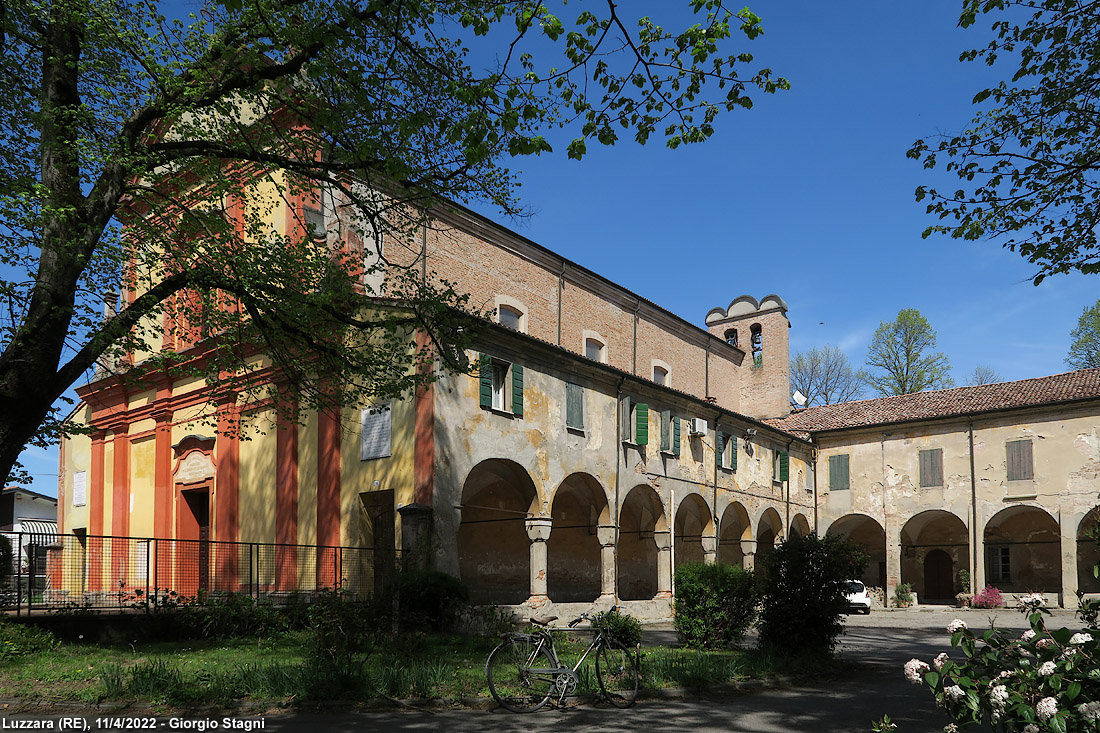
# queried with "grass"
point(218, 672)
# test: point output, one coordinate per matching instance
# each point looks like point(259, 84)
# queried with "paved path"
point(881, 642)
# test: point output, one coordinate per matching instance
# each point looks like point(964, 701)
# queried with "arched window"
point(731, 337)
point(594, 349)
point(660, 375)
point(510, 317)
point(757, 337)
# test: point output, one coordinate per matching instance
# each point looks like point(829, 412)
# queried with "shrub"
point(1042, 680)
point(430, 598)
point(988, 598)
point(903, 595)
point(622, 627)
point(803, 593)
point(715, 604)
point(344, 633)
point(17, 640)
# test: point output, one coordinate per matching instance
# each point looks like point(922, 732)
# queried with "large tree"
point(1029, 160)
point(1084, 352)
point(143, 156)
point(901, 358)
point(983, 374)
point(824, 376)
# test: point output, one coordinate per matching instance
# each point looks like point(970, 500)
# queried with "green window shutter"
point(733, 452)
point(485, 363)
point(719, 447)
point(627, 425)
point(517, 390)
point(641, 432)
point(574, 406)
point(784, 466)
point(666, 430)
point(838, 472)
point(676, 436)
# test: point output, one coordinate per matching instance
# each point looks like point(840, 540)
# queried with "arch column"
point(663, 539)
point(608, 571)
point(538, 530)
point(977, 536)
point(748, 549)
point(1067, 529)
point(710, 549)
point(892, 530)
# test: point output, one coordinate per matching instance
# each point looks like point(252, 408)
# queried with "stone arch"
point(866, 532)
point(769, 530)
point(926, 532)
point(494, 551)
point(1023, 550)
point(579, 508)
point(1088, 554)
point(735, 526)
point(693, 523)
point(642, 525)
point(800, 526)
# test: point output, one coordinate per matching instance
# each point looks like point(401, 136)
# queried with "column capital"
point(748, 547)
point(663, 539)
point(605, 533)
point(538, 528)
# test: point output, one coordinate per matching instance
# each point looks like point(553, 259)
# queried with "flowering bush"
point(988, 598)
point(1042, 680)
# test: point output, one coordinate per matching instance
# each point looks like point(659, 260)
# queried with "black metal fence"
point(76, 571)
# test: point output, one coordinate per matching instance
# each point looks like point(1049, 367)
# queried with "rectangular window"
point(1020, 466)
point(670, 433)
point(374, 432)
point(725, 450)
point(574, 407)
point(501, 385)
point(1000, 569)
point(635, 426)
point(931, 467)
point(838, 473)
point(781, 466)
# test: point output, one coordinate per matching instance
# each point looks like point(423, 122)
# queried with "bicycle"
point(524, 670)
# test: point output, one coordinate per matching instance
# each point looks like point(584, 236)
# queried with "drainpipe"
point(973, 508)
point(561, 286)
point(787, 488)
point(714, 500)
point(618, 463)
point(813, 462)
point(424, 253)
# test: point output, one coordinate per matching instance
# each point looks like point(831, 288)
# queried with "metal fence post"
point(18, 555)
point(155, 544)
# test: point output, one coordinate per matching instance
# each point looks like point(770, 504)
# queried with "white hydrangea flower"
point(1046, 668)
point(1080, 638)
point(939, 660)
point(956, 625)
point(1032, 601)
point(998, 696)
point(1090, 711)
point(1044, 643)
point(1046, 708)
point(914, 670)
point(1005, 673)
point(954, 692)
point(1027, 635)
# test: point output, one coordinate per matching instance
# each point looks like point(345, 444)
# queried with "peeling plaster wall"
point(1041, 531)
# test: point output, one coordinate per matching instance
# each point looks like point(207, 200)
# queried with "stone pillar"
point(416, 535)
point(608, 568)
point(1067, 529)
point(538, 530)
point(710, 549)
point(977, 556)
point(748, 550)
point(664, 563)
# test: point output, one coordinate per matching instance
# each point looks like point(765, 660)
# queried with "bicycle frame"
point(546, 642)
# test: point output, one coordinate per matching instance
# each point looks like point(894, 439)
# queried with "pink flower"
point(914, 670)
point(954, 692)
point(1046, 668)
point(939, 660)
point(956, 625)
point(1027, 635)
point(1046, 708)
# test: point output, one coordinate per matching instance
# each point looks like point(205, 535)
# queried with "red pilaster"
point(286, 503)
point(227, 497)
point(328, 493)
point(96, 507)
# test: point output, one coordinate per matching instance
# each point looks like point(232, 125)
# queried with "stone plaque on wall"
point(195, 466)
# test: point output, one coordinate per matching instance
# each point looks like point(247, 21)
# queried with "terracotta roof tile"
point(1082, 384)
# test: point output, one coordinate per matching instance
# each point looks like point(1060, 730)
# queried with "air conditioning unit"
point(698, 426)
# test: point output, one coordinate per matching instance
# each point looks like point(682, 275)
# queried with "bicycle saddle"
point(542, 620)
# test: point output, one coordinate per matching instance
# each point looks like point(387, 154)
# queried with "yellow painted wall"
point(142, 466)
point(256, 495)
point(307, 481)
point(77, 457)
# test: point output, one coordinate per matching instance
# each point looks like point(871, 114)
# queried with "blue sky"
point(808, 195)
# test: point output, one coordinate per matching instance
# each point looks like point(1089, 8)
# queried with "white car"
point(858, 597)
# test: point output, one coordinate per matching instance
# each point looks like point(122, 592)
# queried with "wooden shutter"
point(719, 447)
point(666, 430)
point(574, 406)
point(517, 390)
point(733, 452)
point(931, 467)
point(1020, 465)
point(676, 436)
point(641, 434)
point(485, 363)
point(627, 423)
point(838, 472)
point(784, 466)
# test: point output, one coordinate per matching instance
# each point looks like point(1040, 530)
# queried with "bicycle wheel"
point(520, 674)
point(617, 673)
